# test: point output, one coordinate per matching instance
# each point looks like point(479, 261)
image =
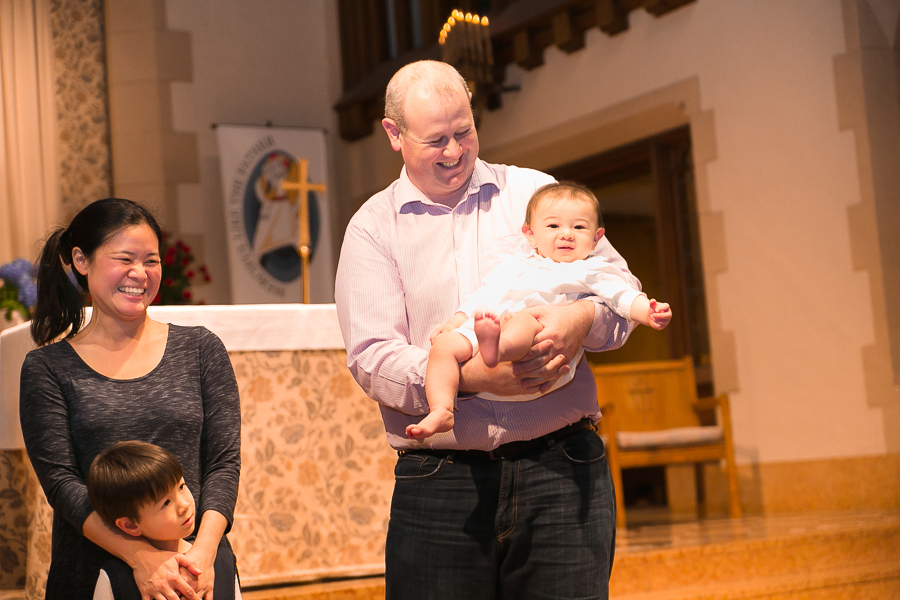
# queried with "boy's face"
point(563, 229)
point(169, 518)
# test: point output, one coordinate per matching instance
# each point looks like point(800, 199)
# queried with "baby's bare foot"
point(487, 330)
point(437, 421)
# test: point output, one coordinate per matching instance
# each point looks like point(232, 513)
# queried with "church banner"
point(263, 217)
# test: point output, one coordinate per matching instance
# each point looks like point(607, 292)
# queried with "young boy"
point(139, 488)
point(563, 225)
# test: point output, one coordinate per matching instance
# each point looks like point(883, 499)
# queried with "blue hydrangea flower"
point(20, 290)
point(27, 291)
point(14, 271)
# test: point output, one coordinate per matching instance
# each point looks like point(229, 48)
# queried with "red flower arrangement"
point(178, 272)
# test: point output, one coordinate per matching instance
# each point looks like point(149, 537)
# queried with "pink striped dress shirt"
point(407, 264)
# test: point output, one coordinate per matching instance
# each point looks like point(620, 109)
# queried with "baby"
point(139, 489)
point(563, 225)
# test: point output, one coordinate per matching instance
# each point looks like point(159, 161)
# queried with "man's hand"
point(565, 327)
point(547, 361)
point(502, 380)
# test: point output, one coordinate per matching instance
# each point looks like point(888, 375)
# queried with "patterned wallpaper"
point(81, 103)
point(79, 67)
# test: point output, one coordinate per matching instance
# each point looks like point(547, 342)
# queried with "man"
point(516, 501)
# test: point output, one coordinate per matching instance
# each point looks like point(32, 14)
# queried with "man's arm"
point(543, 366)
point(372, 314)
point(547, 361)
point(565, 328)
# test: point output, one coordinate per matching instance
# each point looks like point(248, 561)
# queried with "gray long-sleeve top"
point(188, 405)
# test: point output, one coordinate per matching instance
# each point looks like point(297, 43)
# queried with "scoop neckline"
point(138, 378)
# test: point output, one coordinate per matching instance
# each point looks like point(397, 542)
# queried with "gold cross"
point(303, 187)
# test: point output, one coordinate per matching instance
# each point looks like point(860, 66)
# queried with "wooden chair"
point(651, 417)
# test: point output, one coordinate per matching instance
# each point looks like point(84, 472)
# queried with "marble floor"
point(813, 556)
point(716, 531)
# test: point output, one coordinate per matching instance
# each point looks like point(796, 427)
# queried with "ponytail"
point(59, 305)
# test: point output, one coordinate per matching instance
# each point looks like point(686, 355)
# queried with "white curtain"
point(29, 171)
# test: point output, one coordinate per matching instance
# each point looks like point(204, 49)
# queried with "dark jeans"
point(540, 525)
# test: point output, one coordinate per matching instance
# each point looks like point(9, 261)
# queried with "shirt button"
point(504, 420)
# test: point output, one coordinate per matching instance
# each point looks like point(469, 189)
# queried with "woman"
point(124, 376)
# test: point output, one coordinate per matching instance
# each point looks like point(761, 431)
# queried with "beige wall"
point(779, 171)
point(791, 314)
point(868, 93)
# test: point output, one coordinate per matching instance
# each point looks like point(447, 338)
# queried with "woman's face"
point(124, 273)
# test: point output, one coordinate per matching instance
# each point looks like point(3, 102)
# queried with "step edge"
point(780, 584)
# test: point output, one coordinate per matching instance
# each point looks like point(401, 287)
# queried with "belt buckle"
point(513, 449)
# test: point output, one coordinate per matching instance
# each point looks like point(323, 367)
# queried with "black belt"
point(508, 450)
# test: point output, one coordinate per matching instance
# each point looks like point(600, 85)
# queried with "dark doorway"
point(649, 205)
point(646, 190)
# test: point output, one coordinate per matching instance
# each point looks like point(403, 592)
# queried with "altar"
point(316, 472)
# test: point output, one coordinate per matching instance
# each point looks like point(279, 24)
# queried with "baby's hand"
point(442, 329)
point(660, 315)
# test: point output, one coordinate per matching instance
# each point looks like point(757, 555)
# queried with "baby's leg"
point(441, 384)
point(512, 341)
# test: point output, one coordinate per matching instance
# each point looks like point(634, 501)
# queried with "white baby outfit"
point(523, 280)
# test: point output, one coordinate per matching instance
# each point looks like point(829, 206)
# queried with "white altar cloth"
point(244, 327)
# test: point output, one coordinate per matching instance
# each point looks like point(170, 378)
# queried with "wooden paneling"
point(520, 32)
point(565, 35)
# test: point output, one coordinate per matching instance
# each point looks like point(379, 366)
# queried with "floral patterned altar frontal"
point(263, 218)
point(316, 473)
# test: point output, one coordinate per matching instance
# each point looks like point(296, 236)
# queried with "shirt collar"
point(406, 192)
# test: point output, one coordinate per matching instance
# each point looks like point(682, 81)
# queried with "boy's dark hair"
point(129, 475)
point(559, 191)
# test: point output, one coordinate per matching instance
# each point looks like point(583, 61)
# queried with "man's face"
point(440, 145)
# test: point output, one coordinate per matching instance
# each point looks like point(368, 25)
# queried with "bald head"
point(434, 77)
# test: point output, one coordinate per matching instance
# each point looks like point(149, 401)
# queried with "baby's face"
point(564, 230)
point(169, 518)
